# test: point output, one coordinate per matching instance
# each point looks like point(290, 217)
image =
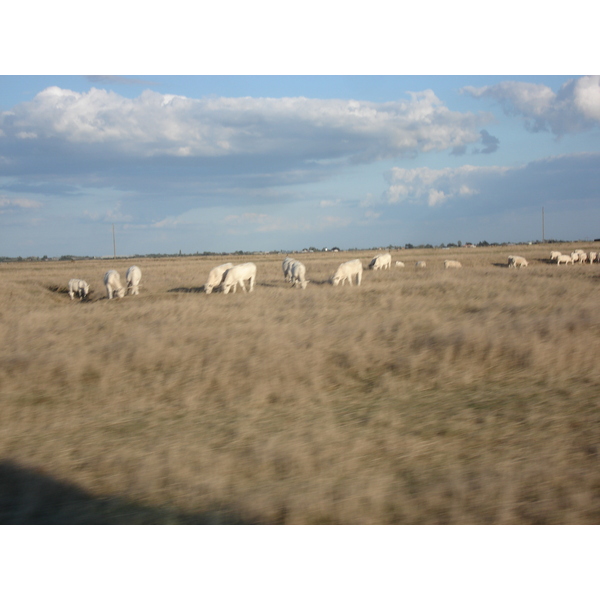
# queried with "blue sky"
point(225, 163)
point(236, 156)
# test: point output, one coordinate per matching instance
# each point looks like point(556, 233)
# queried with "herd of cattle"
point(576, 256)
point(226, 277)
point(579, 256)
point(112, 281)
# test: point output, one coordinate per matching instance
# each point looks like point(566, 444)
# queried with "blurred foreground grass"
point(430, 396)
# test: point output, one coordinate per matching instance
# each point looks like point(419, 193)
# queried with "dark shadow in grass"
point(58, 289)
point(501, 265)
point(29, 497)
point(192, 290)
point(64, 291)
point(288, 285)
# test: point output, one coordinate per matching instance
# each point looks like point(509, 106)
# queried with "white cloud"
point(330, 203)
point(332, 222)
point(436, 197)
point(319, 130)
point(433, 187)
point(465, 190)
point(168, 223)
point(247, 218)
point(575, 107)
point(566, 178)
point(20, 203)
point(111, 215)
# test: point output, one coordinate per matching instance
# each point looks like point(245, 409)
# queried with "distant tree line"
point(408, 246)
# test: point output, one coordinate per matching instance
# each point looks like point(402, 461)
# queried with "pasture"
point(459, 396)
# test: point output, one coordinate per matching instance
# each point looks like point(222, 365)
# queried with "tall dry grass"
point(422, 396)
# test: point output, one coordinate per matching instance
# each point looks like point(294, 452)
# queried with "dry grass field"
point(437, 396)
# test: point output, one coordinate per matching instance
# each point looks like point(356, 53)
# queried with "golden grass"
point(422, 396)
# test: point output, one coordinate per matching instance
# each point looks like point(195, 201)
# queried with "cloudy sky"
point(225, 163)
point(266, 162)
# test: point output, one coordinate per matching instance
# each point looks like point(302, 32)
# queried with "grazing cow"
point(517, 261)
point(286, 265)
point(399, 263)
point(79, 287)
point(452, 264)
point(299, 274)
point(564, 258)
point(554, 254)
point(112, 281)
point(420, 264)
point(239, 274)
point(216, 277)
point(133, 278)
point(381, 261)
point(346, 271)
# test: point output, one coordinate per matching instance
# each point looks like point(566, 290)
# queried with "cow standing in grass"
point(346, 271)
point(78, 287)
point(216, 277)
point(112, 281)
point(239, 274)
point(133, 278)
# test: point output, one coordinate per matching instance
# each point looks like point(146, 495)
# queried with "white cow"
point(133, 278)
point(421, 264)
point(399, 263)
point(79, 287)
point(554, 254)
point(381, 261)
point(239, 274)
point(299, 275)
point(593, 256)
point(583, 257)
point(517, 261)
point(575, 256)
point(346, 271)
point(112, 281)
point(286, 265)
point(452, 264)
point(564, 258)
point(216, 277)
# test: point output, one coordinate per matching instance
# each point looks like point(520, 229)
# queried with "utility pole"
point(543, 232)
point(114, 243)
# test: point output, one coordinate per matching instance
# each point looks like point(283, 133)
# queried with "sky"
point(221, 159)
